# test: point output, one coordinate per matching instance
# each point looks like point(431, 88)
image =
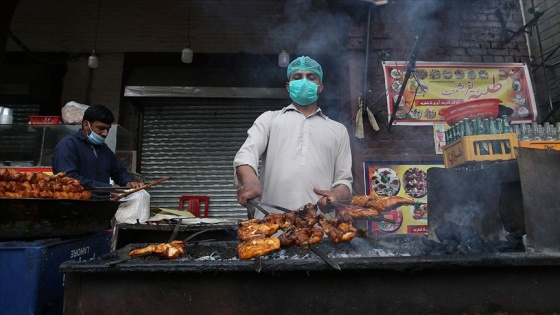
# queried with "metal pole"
point(551, 107)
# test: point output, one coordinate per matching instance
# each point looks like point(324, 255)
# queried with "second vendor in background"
point(85, 156)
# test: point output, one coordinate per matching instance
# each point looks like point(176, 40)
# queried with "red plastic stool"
point(194, 204)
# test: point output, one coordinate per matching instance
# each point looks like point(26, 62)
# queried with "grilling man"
point(306, 156)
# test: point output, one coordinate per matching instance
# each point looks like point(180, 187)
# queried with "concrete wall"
point(161, 26)
point(456, 31)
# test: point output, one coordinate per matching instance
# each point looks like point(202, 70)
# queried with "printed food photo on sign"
point(401, 180)
point(385, 182)
point(396, 216)
point(415, 182)
point(420, 211)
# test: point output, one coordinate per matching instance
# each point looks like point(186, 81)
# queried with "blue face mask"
point(303, 92)
point(94, 138)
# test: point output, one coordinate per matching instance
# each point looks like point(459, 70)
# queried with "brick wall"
point(457, 31)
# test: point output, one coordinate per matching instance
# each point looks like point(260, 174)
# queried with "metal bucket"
point(538, 171)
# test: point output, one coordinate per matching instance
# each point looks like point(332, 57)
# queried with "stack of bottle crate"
point(535, 136)
point(478, 140)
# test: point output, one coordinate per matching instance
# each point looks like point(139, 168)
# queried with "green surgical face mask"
point(303, 92)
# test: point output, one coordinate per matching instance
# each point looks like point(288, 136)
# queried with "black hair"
point(98, 113)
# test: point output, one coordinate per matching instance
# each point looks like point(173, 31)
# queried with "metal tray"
point(29, 218)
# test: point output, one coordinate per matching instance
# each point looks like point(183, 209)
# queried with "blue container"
point(30, 282)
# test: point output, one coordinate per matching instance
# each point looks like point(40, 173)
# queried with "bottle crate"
point(467, 149)
point(553, 145)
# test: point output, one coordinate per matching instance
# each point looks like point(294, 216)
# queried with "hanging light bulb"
point(187, 54)
point(283, 56)
point(283, 59)
point(93, 62)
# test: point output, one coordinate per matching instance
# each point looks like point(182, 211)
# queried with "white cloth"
point(299, 154)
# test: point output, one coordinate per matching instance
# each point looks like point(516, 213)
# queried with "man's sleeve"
point(119, 174)
point(255, 144)
point(343, 166)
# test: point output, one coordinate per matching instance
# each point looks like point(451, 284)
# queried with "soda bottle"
point(468, 128)
point(480, 130)
point(496, 146)
point(473, 126)
point(534, 134)
point(501, 127)
point(505, 125)
point(524, 132)
point(547, 132)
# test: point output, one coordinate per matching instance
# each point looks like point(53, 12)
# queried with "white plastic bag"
point(135, 209)
point(72, 112)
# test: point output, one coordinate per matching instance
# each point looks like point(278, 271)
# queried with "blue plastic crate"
point(30, 282)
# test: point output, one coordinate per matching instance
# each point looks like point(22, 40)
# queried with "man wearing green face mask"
point(306, 156)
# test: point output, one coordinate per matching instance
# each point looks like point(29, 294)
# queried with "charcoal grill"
point(297, 281)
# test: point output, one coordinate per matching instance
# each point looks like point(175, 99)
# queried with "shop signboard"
point(433, 86)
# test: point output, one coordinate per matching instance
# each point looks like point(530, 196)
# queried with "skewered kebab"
point(15, 184)
point(302, 227)
point(171, 250)
point(339, 229)
point(381, 203)
point(257, 246)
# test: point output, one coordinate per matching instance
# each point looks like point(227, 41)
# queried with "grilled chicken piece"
point(164, 250)
point(308, 236)
point(381, 203)
point(357, 212)
point(288, 238)
point(284, 220)
point(307, 216)
point(15, 184)
point(255, 228)
point(392, 202)
point(339, 230)
point(257, 246)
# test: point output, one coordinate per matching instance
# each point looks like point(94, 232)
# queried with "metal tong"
point(251, 214)
point(312, 247)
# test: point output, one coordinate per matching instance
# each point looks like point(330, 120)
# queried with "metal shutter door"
point(195, 141)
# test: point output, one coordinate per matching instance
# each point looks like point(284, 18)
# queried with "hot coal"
point(462, 239)
point(453, 239)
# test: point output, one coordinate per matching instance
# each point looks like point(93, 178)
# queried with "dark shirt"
point(75, 156)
